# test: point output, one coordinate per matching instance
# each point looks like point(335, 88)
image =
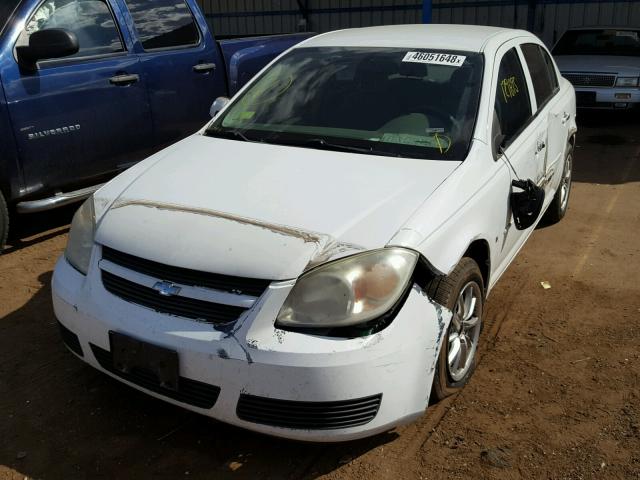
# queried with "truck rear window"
point(163, 23)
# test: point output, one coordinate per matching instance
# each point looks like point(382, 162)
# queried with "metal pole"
point(426, 11)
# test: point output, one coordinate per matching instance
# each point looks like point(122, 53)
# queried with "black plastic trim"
point(308, 415)
point(71, 340)
point(185, 276)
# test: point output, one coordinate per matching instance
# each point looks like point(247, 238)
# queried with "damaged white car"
point(315, 262)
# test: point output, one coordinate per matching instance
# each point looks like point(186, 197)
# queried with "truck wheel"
point(4, 222)
point(558, 206)
point(462, 292)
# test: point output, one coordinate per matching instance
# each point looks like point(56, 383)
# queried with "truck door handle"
point(541, 146)
point(124, 79)
point(565, 117)
point(204, 67)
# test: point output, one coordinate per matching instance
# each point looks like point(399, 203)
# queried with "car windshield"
point(384, 101)
point(599, 42)
point(6, 9)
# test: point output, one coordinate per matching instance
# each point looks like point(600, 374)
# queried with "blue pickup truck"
point(90, 87)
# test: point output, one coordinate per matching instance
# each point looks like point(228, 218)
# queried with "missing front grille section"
point(214, 313)
point(189, 391)
point(308, 415)
point(184, 276)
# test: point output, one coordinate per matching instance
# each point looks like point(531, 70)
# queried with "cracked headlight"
point(349, 291)
point(80, 244)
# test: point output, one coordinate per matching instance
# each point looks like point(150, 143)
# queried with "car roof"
point(469, 38)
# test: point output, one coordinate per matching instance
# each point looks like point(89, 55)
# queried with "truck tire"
point(4, 222)
point(462, 292)
point(558, 206)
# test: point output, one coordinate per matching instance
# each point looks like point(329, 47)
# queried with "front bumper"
point(257, 366)
point(607, 98)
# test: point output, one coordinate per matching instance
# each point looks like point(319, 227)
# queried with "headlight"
point(627, 82)
point(349, 291)
point(78, 252)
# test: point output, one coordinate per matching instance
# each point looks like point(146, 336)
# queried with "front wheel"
point(558, 207)
point(462, 292)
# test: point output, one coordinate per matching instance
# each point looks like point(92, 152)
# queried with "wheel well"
point(480, 253)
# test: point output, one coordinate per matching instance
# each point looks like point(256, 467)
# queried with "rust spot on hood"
point(306, 237)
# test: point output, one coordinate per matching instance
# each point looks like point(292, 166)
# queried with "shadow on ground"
point(55, 407)
point(605, 132)
point(30, 229)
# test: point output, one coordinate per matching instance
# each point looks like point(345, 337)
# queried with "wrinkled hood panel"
point(599, 63)
point(264, 211)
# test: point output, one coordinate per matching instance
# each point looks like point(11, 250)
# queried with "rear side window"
point(513, 107)
point(542, 72)
point(163, 23)
point(90, 20)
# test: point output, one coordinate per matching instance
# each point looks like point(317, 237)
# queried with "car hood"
point(258, 210)
point(599, 63)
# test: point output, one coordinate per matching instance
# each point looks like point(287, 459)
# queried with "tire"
point(466, 278)
point(4, 222)
point(558, 206)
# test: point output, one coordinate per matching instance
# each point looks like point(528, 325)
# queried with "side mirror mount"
point(497, 144)
point(218, 104)
point(46, 44)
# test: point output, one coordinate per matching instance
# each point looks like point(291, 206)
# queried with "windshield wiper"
point(322, 143)
point(232, 134)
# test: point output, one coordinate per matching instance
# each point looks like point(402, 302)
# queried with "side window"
point(90, 20)
point(513, 107)
point(163, 23)
point(542, 73)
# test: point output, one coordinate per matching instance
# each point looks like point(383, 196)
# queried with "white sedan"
point(315, 262)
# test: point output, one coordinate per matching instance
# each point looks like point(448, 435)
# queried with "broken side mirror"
point(218, 104)
point(47, 44)
point(526, 204)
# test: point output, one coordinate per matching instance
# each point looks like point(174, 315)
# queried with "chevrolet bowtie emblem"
point(166, 289)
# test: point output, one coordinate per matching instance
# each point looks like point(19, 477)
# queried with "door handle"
point(204, 67)
point(124, 79)
point(565, 117)
point(540, 146)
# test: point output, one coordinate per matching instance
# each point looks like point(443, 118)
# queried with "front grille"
point(189, 391)
point(590, 79)
point(201, 310)
point(308, 415)
point(70, 339)
point(184, 276)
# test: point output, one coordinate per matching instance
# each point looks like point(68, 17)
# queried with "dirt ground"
point(556, 393)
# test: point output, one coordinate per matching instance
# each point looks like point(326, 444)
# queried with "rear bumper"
point(607, 98)
point(261, 378)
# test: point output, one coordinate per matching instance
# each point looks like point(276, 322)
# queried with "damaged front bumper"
point(258, 377)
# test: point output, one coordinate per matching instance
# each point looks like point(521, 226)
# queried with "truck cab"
point(90, 87)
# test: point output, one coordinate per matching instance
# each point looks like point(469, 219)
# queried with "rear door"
point(75, 123)
point(550, 108)
point(183, 67)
